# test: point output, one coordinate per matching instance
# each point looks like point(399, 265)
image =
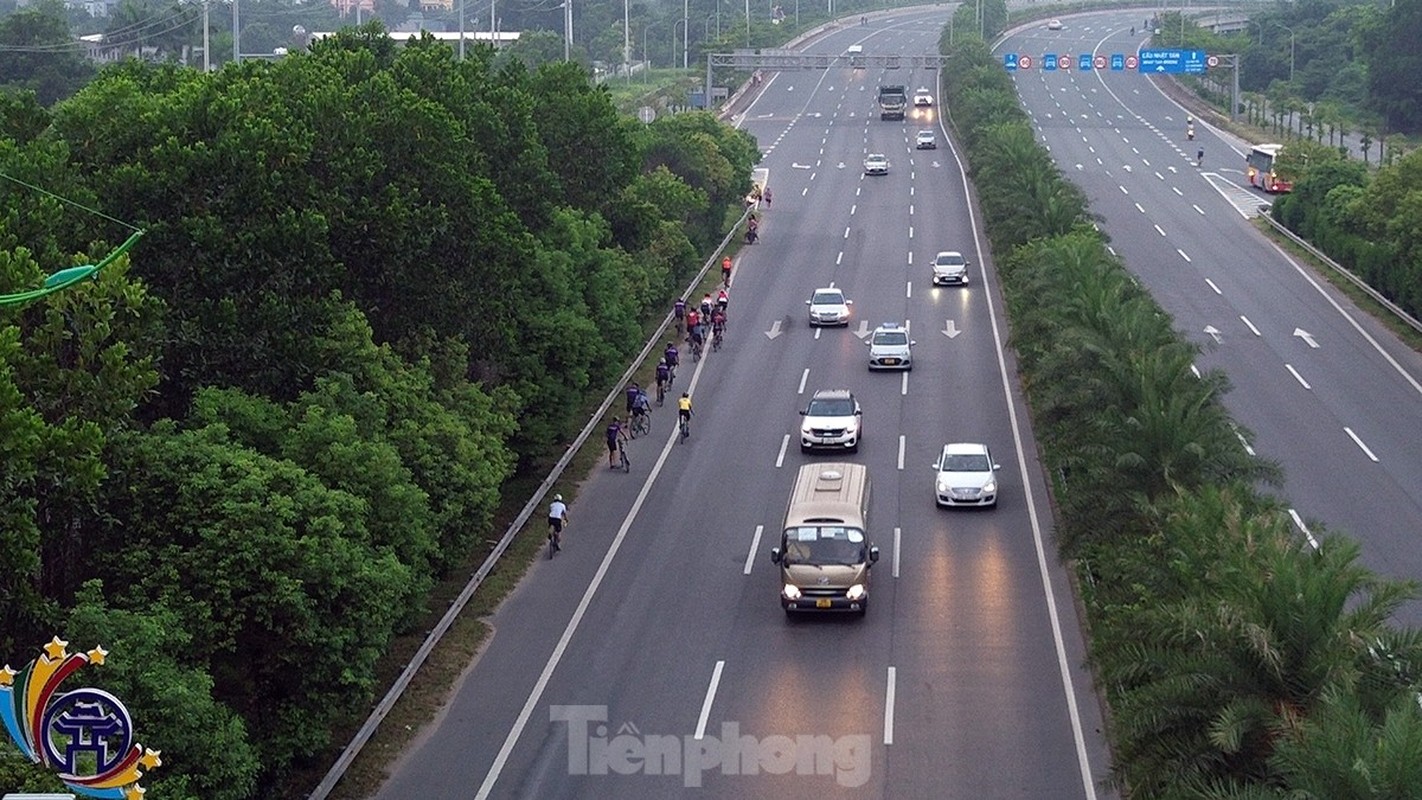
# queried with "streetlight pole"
point(645, 57)
point(461, 30)
point(567, 30)
point(626, 42)
point(673, 41)
point(748, 22)
point(685, 31)
point(237, 35)
point(206, 42)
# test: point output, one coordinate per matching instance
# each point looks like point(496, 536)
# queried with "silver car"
point(965, 475)
point(925, 140)
point(876, 164)
point(890, 347)
point(828, 307)
point(831, 421)
point(949, 267)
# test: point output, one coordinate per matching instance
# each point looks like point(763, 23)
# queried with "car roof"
point(942, 253)
point(835, 289)
point(833, 394)
point(922, 134)
point(889, 326)
point(965, 449)
point(876, 155)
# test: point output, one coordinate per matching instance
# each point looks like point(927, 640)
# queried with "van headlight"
point(856, 592)
point(792, 592)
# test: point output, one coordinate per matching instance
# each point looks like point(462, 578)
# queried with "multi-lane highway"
point(652, 656)
point(1332, 396)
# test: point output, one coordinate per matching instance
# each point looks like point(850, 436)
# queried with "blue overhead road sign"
point(1171, 61)
point(1118, 61)
point(1083, 62)
point(1010, 61)
point(1049, 62)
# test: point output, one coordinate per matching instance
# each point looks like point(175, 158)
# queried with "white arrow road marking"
point(774, 330)
point(863, 328)
point(1213, 332)
point(950, 329)
point(1307, 337)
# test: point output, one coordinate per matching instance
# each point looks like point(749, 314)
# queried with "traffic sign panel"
point(1213, 61)
point(1064, 62)
point(1083, 63)
point(1024, 62)
point(1010, 61)
point(1099, 62)
point(1131, 62)
point(1172, 61)
point(1118, 61)
point(1049, 62)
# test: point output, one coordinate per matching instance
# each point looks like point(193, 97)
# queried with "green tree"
point(38, 53)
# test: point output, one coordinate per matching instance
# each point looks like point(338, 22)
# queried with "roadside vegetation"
point(374, 293)
point(1237, 660)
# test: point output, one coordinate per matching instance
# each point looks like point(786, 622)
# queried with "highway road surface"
point(651, 658)
point(1329, 393)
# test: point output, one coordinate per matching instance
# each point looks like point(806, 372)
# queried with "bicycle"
point(661, 393)
point(685, 429)
point(642, 424)
point(555, 539)
point(696, 348)
point(622, 459)
point(716, 340)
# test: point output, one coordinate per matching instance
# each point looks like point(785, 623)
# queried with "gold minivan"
point(824, 554)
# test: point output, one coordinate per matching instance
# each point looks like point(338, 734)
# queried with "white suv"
point(831, 421)
point(950, 267)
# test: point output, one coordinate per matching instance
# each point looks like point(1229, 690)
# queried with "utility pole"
point(236, 36)
point(626, 42)
point(567, 30)
point(686, 31)
point(461, 30)
point(206, 40)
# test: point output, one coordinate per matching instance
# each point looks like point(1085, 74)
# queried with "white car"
point(876, 164)
point(831, 421)
point(1054, 25)
point(829, 307)
point(949, 267)
point(890, 347)
point(965, 475)
point(925, 140)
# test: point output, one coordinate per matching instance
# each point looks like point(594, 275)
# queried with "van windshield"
point(824, 545)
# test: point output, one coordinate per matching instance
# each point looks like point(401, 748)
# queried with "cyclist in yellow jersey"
point(683, 412)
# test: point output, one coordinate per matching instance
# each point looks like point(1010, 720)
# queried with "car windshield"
point(950, 260)
point(966, 463)
point(837, 407)
point(824, 545)
point(875, 159)
point(925, 135)
point(828, 299)
point(891, 338)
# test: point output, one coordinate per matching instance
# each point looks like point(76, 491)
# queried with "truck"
point(893, 99)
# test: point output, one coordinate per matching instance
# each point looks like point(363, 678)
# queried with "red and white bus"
point(1259, 167)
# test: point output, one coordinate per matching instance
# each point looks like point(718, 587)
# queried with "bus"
point(1259, 167)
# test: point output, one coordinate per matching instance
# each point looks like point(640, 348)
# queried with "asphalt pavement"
point(1327, 391)
point(651, 658)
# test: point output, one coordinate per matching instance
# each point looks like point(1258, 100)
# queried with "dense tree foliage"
point(1238, 661)
point(374, 280)
point(38, 53)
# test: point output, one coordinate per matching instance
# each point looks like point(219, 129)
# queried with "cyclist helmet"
point(558, 498)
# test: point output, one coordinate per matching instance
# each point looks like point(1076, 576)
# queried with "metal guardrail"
point(397, 689)
point(1412, 321)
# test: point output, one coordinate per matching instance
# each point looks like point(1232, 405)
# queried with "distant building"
point(347, 8)
point(498, 38)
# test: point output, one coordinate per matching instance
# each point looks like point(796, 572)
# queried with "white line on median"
point(710, 696)
point(1158, 229)
point(780, 459)
point(1297, 376)
point(804, 376)
point(1359, 443)
point(889, 708)
point(755, 545)
point(901, 451)
point(903, 390)
point(908, 292)
point(1299, 522)
point(1213, 286)
point(839, 258)
point(1251, 325)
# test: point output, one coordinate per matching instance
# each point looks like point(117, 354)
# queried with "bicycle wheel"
point(552, 543)
point(626, 465)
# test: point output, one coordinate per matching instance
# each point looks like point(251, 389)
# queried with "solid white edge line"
point(901, 451)
point(1088, 782)
point(536, 693)
point(898, 532)
point(1359, 443)
point(1300, 523)
point(710, 698)
point(780, 459)
point(889, 707)
point(1297, 376)
point(755, 545)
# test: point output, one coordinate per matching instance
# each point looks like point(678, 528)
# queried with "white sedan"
point(876, 164)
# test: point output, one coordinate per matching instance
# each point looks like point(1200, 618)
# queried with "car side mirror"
point(807, 302)
point(849, 302)
point(803, 412)
point(912, 342)
point(936, 465)
point(775, 555)
point(873, 554)
point(997, 466)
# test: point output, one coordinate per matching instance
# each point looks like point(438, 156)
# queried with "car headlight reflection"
point(856, 592)
point(792, 592)
point(990, 487)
